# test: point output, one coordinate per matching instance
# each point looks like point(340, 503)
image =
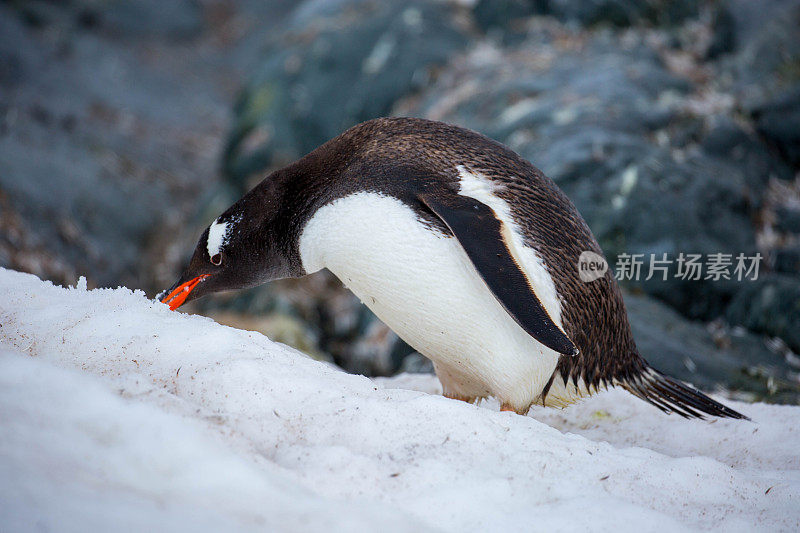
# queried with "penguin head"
point(240, 249)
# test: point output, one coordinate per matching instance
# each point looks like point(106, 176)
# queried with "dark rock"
point(623, 12)
point(788, 220)
point(710, 357)
point(501, 13)
point(770, 306)
point(130, 19)
point(104, 149)
point(779, 121)
point(335, 64)
point(727, 140)
point(723, 28)
point(787, 260)
point(176, 19)
point(767, 57)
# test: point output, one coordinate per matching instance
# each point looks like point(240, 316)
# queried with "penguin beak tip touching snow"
point(181, 291)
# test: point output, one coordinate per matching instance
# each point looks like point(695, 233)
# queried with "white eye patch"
point(217, 237)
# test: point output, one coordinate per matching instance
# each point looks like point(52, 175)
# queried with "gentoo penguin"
point(465, 249)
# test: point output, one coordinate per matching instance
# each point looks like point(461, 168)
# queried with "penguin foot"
point(506, 407)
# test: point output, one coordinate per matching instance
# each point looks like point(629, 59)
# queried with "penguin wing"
point(480, 234)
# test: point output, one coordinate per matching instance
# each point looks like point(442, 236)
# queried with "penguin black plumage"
point(466, 250)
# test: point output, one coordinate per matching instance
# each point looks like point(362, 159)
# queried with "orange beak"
point(176, 298)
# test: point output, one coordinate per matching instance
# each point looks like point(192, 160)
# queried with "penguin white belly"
point(421, 283)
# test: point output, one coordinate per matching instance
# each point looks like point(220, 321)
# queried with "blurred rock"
point(766, 60)
point(713, 356)
point(787, 260)
point(788, 219)
point(779, 121)
point(176, 19)
point(414, 363)
point(135, 19)
point(335, 64)
point(727, 140)
point(501, 15)
point(770, 306)
point(723, 32)
point(109, 134)
point(623, 12)
point(83, 198)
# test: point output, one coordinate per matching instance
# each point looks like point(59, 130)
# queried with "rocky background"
point(126, 126)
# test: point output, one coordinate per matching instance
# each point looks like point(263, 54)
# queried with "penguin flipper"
point(480, 234)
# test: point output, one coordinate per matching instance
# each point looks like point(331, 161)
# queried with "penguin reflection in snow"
point(466, 250)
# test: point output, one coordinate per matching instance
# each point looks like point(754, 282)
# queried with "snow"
point(116, 412)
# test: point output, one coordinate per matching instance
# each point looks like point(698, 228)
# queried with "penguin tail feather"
point(671, 396)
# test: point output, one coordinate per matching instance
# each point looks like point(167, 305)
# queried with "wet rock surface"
point(128, 126)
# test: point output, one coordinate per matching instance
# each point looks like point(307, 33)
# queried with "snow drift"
point(117, 413)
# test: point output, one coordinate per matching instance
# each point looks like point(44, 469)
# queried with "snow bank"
point(115, 411)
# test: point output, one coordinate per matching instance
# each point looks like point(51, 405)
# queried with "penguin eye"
point(216, 259)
